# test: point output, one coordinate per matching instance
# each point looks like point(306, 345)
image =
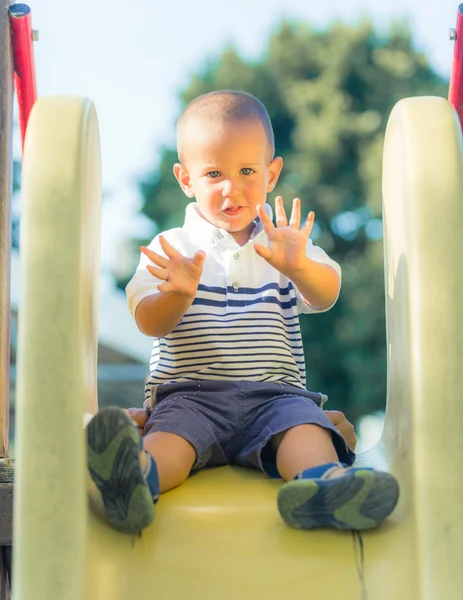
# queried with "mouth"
point(233, 210)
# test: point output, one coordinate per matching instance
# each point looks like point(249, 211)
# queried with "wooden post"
point(6, 118)
point(6, 171)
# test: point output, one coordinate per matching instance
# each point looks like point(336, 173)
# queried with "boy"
point(221, 297)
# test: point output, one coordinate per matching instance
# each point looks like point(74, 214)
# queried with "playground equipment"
point(219, 535)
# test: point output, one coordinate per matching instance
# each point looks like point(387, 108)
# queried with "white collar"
point(202, 229)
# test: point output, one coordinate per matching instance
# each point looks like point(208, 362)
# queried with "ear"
point(274, 172)
point(181, 175)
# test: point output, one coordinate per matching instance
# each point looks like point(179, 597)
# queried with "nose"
point(230, 188)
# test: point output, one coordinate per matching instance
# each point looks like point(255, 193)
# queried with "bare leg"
point(174, 457)
point(303, 447)
point(342, 499)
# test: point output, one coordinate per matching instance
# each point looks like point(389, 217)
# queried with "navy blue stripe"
point(267, 370)
point(180, 363)
point(188, 351)
point(222, 324)
point(243, 373)
point(212, 289)
point(274, 378)
point(225, 332)
point(224, 356)
point(230, 302)
point(278, 327)
point(274, 313)
point(261, 365)
point(219, 369)
point(185, 363)
point(216, 350)
point(160, 380)
point(295, 381)
point(246, 290)
point(193, 367)
point(218, 339)
point(220, 334)
point(235, 342)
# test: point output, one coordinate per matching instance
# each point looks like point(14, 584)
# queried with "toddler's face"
point(229, 171)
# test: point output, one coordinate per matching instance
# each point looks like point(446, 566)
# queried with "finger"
point(352, 443)
point(131, 411)
point(331, 416)
point(159, 273)
point(280, 213)
point(295, 220)
point(307, 227)
point(335, 416)
point(140, 417)
point(159, 260)
point(265, 219)
point(263, 251)
point(165, 287)
point(345, 428)
point(168, 249)
point(198, 258)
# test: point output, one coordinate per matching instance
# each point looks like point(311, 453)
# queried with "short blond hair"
point(228, 107)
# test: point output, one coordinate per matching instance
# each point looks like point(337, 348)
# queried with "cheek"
point(209, 193)
point(257, 187)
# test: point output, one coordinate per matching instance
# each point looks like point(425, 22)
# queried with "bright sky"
point(131, 60)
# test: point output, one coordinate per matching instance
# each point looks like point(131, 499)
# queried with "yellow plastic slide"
point(219, 535)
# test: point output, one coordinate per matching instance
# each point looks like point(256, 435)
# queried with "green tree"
point(329, 94)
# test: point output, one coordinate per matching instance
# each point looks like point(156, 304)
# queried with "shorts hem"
point(345, 454)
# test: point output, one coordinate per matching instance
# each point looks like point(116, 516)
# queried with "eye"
point(247, 171)
point(213, 174)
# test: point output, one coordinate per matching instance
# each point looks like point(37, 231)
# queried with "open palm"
point(179, 273)
point(286, 250)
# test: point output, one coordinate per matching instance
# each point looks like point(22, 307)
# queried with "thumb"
point(263, 251)
point(198, 258)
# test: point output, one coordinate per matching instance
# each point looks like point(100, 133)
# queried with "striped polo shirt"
point(244, 321)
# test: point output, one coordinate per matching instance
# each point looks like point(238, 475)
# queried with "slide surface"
point(219, 535)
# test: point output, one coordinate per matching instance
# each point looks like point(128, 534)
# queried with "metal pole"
point(6, 184)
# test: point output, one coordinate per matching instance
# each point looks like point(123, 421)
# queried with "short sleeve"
point(318, 254)
point(143, 283)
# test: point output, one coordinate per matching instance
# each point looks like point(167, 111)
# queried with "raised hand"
point(286, 249)
point(180, 274)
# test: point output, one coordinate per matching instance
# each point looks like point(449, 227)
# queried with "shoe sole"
point(359, 500)
point(113, 455)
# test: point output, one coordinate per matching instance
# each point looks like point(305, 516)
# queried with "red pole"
point(456, 78)
point(23, 58)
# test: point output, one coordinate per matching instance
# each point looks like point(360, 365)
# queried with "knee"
point(174, 457)
point(300, 434)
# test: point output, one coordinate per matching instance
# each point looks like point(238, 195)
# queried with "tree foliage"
point(329, 94)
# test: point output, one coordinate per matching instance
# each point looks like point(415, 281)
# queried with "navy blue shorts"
point(230, 422)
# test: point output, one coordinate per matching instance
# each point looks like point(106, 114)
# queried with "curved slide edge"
point(423, 223)
point(60, 249)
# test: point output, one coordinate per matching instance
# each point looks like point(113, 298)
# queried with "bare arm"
point(158, 314)
point(317, 282)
